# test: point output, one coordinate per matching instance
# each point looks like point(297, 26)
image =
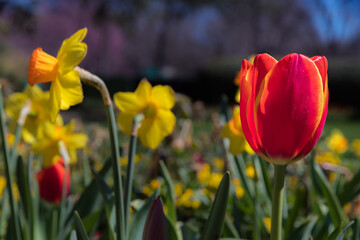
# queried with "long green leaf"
point(339, 232)
point(350, 189)
point(25, 194)
point(289, 224)
point(80, 230)
point(170, 203)
point(215, 221)
point(356, 230)
point(335, 210)
point(137, 224)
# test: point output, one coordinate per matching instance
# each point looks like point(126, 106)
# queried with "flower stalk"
point(130, 166)
point(96, 82)
point(277, 202)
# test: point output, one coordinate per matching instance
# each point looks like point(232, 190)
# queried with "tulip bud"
point(283, 105)
point(51, 180)
point(155, 226)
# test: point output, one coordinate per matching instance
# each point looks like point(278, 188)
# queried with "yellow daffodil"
point(48, 145)
point(233, 131)
point(327, 157)
point(336, 142)
point(355, 145)
point(267, 223)
point(65, 89)
point(155, 104)
point(38, 111)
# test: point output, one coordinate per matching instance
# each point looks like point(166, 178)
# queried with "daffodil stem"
point(277, 202)
point(96, 82)
point(119, 203)
point(7, 170)
point(130, 171)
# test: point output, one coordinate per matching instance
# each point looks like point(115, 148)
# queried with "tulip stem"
point(277, 202)
point(96, 82)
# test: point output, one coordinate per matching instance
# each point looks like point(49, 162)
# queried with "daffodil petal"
point(163, 96)
point(75, 38)
point(74, 54)
point(143, 91)
point(14, 104)
point(128, 102)
point(55, 99)
point(33, 91)
point(71, 90)
point(153, 130)
point(77, 140)
point(125, 120)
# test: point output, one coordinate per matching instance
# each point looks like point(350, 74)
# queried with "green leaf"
point(137, 224)
point(80, 230)
point(90, 200)
point(265, 176)
point(339, 232)
point(170, 196)
point(73, 235)
point(350, 189)
point(108, 197)
point(25, 194)
point(171, 229)
point(215, 221)
point(336, 213)
point(356, 229)
point(92, 221)
point(294, 213)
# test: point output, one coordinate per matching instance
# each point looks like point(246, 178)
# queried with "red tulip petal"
point(310, 145)
point(289, 106)
point(249, 86)
point(245, 66)
point(322, 65)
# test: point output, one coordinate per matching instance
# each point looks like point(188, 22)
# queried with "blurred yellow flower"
point(355, 146)
point(153, 185)
point(65, 89)
point(250, 171)
point(233, 131)
point(178, 189)
point(2, 185)
point(327, 157)
point(267, 223)
point(48, 145)
point(39, 111)
point(336, 142)
point(204, 174)
point(215, 180)
point(239, 192)
point(124, 160)
point(219, 163)
point(186, 200)
point(155, 104)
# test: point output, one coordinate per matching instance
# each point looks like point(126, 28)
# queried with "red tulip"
point(283, 105)
point(51, 182)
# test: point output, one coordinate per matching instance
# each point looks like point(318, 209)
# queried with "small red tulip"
point(283, 105)
point(51, 180)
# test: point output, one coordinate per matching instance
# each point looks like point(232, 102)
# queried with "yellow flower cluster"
point(207, 178)
point(187, 199)
point(152, 187)
point(233, 131)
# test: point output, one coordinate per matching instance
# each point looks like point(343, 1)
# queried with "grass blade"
point(80, 230)
point(215, 222)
